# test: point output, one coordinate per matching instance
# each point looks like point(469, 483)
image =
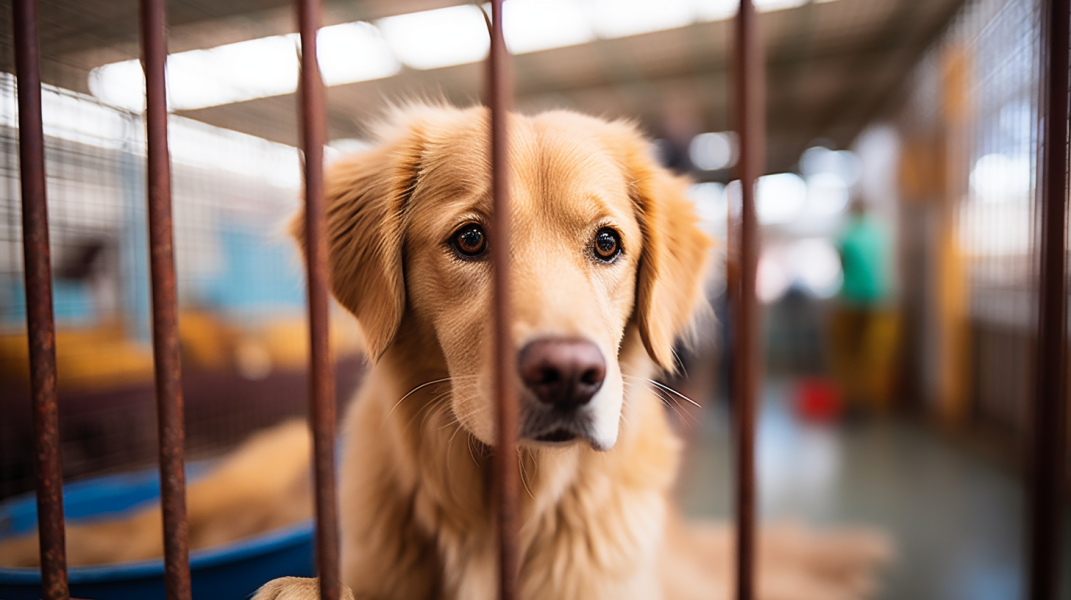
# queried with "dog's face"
point(601, 240)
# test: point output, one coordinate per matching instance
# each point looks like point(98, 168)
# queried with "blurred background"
point(897, 276)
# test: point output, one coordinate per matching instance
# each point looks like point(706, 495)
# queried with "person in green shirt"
point(863, 247)
point(864, 332)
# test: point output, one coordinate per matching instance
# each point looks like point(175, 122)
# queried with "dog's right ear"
point(367, 197)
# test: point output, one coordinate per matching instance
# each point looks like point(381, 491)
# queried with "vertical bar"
point(169, 402)
point(40, 327)
point(505, 458)
point(1048, 449)
point(750, 113)
point(321, 377)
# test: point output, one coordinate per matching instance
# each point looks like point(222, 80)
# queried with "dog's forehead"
point(558, 171)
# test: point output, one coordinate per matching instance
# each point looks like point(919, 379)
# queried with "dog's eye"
point(469, 241)
point(607, 245)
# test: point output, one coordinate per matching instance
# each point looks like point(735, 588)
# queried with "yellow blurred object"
point(952, 281)
point(102, 357)
point(86, 358)
point(864, 348)
point(286, 340)
point(207, 342)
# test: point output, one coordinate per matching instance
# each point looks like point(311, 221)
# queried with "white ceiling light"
point(842, 163)
point(771, 277)
point(620, 18)
point(996, 178)
point(232, 73)
point(716, 10)
point(827, 195)
point(437, 38)
point(350, 145)
point(119, 84)
point(353, 52)
point(533, 25)
point(248, 70)
point(816, 264)
point(713, 151)
point(772, 5)
point(423, 40)
point(201, 78)
point(711, 206)
point(779, 198)
point(719, 10)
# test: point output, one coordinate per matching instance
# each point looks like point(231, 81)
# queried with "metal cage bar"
point(40, 325)
point(505, 459)
point(750, 115)
point(166, 360)
point(1048, 446)
point(321, 376)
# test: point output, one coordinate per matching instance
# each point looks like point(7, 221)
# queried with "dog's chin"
point(564, 434)
point(561, 439)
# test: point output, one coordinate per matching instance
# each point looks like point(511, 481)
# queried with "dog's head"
point(603, 240)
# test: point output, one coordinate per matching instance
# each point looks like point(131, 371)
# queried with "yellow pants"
point(863, 348)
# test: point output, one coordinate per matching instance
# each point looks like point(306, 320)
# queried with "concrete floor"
point(956, 518)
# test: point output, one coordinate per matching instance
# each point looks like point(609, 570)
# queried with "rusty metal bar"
point(1048, 448)
point(750, 115)
point(170, 413)
point(40, 326)
point(321, 376)
point(505, 459)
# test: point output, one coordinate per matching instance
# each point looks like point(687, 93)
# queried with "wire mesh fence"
point(240, 286)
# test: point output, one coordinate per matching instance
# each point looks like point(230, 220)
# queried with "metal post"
point(169, 403)
point(750, 115)
point(1048, 448)
point(40, 326)
point(321, 377)
point(505, 458)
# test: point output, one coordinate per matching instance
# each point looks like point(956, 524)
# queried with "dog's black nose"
point(564, 373)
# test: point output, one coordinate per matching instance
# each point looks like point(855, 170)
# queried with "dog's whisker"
point(677, 360)
point(450, 417)
point(521, 470)
point(434, 405)
point(669, 389)
point(428, 409)
point(449, 443)
point(673, 405)
point(415, 390)
point(458, 428)
point(453, 420)
point(469, 439)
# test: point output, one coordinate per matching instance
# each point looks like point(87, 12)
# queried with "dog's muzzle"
point(562, 376)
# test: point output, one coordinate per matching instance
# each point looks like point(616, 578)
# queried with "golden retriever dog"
point(607, 267)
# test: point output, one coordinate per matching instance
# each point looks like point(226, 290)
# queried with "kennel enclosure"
point(1047, 457)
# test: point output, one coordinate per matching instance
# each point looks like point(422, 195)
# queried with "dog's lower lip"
point(558, 435)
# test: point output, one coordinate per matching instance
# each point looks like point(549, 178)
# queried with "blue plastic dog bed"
point(229, 572)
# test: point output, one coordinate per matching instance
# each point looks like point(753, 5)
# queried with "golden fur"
point(597, 521)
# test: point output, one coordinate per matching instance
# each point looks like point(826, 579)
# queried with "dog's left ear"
point(675, 254)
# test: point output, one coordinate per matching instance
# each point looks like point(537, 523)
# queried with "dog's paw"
point(295, 588)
